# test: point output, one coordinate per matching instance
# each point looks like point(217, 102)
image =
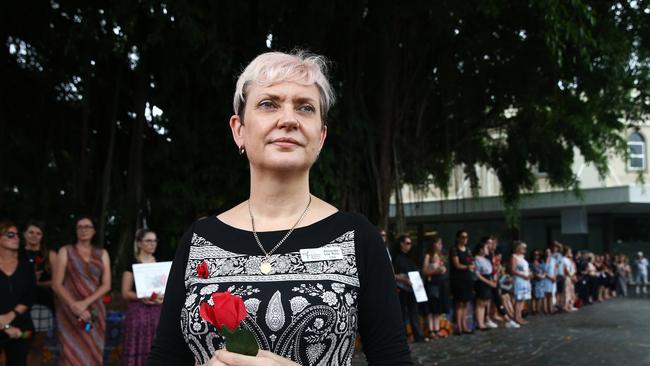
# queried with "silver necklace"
point(265, 266)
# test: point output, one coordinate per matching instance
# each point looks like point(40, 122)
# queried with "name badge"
point(320, 254)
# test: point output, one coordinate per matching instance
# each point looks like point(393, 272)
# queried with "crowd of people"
point(42, 290)
point(482, 286)
point(45, 290)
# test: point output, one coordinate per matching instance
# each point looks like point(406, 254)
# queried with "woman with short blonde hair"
point(310, 276)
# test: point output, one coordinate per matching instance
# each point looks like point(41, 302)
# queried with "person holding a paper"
point(403, 264)
point(143, 313)
point(283, 278)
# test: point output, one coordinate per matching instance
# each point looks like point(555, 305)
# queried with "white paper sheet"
point(150, 277)
point(418, 287)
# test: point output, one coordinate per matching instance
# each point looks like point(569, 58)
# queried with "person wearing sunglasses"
point(461, 280)
point(17, 293)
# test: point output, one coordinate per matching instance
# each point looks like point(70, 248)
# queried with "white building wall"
point(489, 185)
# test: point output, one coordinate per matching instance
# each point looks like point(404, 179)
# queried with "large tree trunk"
point(108, 164)
point(386, 119)
point(132, 217)
point(84, 158)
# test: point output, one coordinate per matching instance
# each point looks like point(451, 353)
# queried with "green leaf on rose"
point(240, 341)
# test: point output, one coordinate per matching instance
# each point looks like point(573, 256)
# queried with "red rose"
point(153, 296)
point(202, 270)
point(106, 299)
point(38, 260)
point(228, 310)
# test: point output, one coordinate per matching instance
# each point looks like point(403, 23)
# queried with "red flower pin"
point(106, 299)
point(202, 270)
point(38, 260)
point(153, 296)
point(226, 313)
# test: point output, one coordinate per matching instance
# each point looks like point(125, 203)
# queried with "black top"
point(19, 288)
point(44, 294)
point(308, 311)
point(465, 258)
point(129, 268)
point(403, 264)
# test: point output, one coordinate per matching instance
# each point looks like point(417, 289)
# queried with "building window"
point(636, 152)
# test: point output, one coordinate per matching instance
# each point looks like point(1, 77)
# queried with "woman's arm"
point(480, 277)
point(26, 299)
point(425, 266)
point(455, 261)
point(105, 285)
point(58, 276)
point(127, 287)
point(382, 331)
point(513, 267)
point(169, 347)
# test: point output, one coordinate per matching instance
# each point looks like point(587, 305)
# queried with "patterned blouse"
point(309, 311)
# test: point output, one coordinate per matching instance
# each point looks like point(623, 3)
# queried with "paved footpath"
point(616, 332)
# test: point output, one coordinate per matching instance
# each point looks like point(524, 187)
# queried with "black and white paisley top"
point(307, 311)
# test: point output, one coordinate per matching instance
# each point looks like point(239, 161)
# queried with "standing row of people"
point(499, 288)
point(42, 289)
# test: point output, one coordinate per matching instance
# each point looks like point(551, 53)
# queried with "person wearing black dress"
point(17, 292)
point(403, 264)
point(461, 280)
point(309, 275)
point(42, 311)
point(436, 282)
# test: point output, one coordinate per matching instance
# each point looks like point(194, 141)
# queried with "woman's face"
point(85, 230)
point(438, 246)
point(485, 250)
point(148, 244)
point(463, 238)
point(282, 129)
point(9, 239)
point(33, 235)
point(521, 249)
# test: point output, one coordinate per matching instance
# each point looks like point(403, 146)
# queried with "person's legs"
point(414, 318)
point(479, 313)
point(431, 324)
point(36, 350)
point(404, 308)
point(464, 318)
point(436, 323)
point(518, 309)
point(458, 313)
point(16, 352)
point(644, 278)
point(508, 305)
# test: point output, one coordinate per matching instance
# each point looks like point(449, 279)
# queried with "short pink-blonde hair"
point(274, 67)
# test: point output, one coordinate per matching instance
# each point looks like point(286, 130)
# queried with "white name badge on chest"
point(321, 254)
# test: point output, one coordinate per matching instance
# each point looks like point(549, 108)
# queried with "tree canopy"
point(120, 109)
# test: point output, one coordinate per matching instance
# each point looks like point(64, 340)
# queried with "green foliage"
point(422, 87)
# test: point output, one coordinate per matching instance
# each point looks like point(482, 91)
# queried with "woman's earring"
point(242, 150)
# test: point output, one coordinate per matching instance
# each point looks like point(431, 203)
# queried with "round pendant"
point(265, 267)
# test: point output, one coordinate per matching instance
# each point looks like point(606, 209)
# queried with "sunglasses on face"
point(11, 234)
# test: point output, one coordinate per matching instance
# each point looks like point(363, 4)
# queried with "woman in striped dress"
point(81, 278)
